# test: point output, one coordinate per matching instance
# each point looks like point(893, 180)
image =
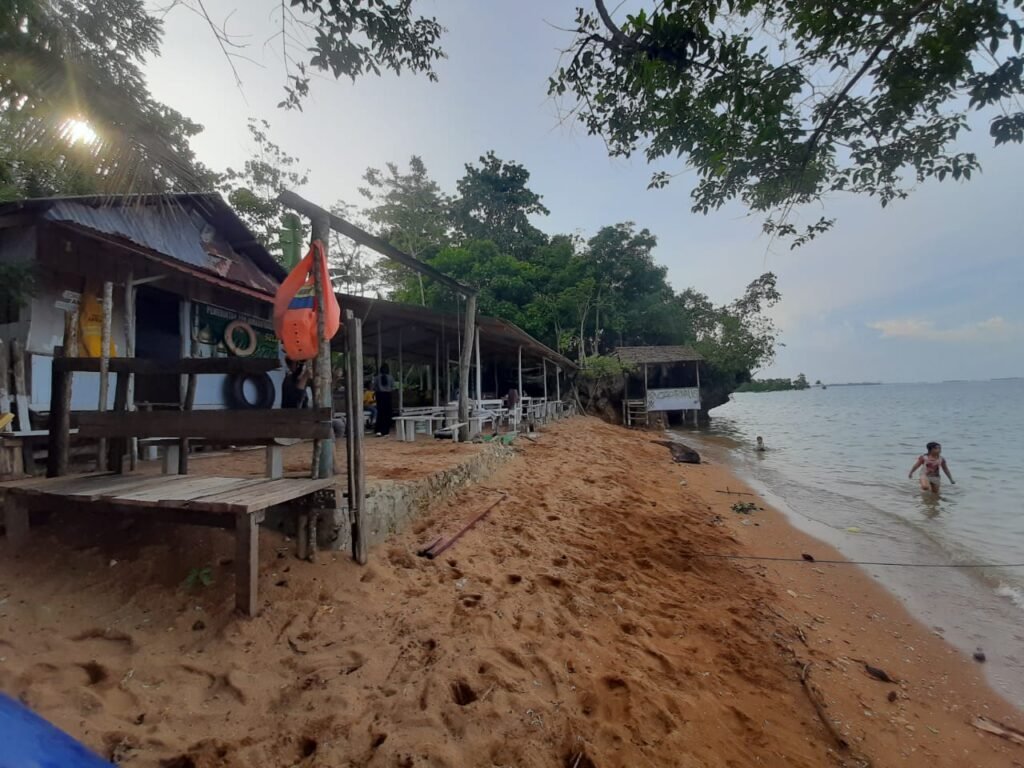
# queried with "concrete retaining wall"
point(390, 504)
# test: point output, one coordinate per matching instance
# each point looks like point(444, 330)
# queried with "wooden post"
point(464, 361)
point(247, 563)
point(353, 411)
point(119, 445)
point(5, 381)
point(647, 417)
point(59, 425)
point(519, 405)
point(544, 367)
point(479, 370)
point(323, 450)
point(380, 348)
point(696, 416)
point(129, 352)
point(401, 376)
point(447, 373)
point(354, 442)
point(437, 372)
point(108, 306)
point(21, 395)
point(180, 458)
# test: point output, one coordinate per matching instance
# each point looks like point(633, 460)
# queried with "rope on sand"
point(818, 561)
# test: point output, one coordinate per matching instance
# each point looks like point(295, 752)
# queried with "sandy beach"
point(593, 619)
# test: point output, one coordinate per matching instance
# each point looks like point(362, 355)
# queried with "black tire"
point(266, 393)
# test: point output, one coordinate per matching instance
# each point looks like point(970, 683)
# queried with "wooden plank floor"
point(220, 495)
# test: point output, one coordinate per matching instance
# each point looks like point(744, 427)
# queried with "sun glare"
point(79, 131)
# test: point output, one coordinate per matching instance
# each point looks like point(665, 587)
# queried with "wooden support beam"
point(187, 404)
point(5, 380)
point(108, 308)
point(297, 203)
point(464, 361)
point(21, 393)
point(119, 446)
point(247, 563)
point(323, 450)
point(59, 424)
point(519, 405)
point(401, 375)
point(354, 438)
point(184, 366)
point(211, 425)
point(479, 370)
point(129, 352)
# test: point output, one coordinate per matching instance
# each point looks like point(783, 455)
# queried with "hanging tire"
point(266, 393)
point(240, 350)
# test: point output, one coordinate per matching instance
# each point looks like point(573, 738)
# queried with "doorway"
point(157, 337)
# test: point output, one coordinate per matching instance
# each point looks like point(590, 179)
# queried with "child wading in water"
point(932, 462)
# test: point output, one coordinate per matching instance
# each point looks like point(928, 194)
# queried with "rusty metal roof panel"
point(200, 230)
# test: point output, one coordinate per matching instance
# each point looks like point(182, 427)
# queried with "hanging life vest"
point(90, 327)
point(295, 309)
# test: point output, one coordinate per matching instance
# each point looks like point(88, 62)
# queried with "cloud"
point(993, 329)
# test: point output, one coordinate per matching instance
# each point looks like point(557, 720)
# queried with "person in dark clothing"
point(294, 388)
point(383, 386)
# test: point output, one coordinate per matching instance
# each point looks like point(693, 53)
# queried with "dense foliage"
point(779, 104)
point(583, 297)
point(76, 115)
point(776, 385)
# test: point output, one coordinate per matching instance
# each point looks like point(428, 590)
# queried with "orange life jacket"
point(295, 309)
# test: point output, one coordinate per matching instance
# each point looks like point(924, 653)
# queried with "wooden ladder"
point(636, 412)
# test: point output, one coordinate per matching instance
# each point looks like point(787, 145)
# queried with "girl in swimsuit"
point(932, 462)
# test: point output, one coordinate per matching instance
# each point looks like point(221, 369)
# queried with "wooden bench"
point(237, 504)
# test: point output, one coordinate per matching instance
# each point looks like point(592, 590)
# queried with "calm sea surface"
point(837, 464)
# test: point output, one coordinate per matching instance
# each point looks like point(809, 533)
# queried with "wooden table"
point(231, 503)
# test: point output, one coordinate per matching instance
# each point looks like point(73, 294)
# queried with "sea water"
point(837, 461)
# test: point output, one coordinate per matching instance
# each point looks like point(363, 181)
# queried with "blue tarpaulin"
point(28, 741)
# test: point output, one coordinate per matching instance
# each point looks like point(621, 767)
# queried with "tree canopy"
point(583, 297)
point(780, 104)
point(75, 111)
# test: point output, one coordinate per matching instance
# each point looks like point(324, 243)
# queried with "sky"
point(928, 289)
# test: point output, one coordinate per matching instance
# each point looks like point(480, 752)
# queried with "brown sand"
point(567, 629)
point(386, 459)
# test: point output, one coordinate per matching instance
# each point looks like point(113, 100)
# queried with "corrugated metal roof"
point(200, 230)
point(421, 327)
point(657, 355)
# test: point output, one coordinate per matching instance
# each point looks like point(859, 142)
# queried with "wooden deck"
point(233, 503)
point(215, 495)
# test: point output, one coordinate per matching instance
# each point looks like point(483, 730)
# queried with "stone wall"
point(391, 504)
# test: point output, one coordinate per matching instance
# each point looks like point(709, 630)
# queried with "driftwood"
point(681, 454)
point(879, 674)
point(998, 729)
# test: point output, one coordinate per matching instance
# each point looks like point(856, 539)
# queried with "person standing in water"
point(932, 462)
point(760, 444)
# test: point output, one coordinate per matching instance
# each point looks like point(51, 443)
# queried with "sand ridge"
point(570, 628)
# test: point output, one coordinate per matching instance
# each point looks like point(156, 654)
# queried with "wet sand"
point(573, 627)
